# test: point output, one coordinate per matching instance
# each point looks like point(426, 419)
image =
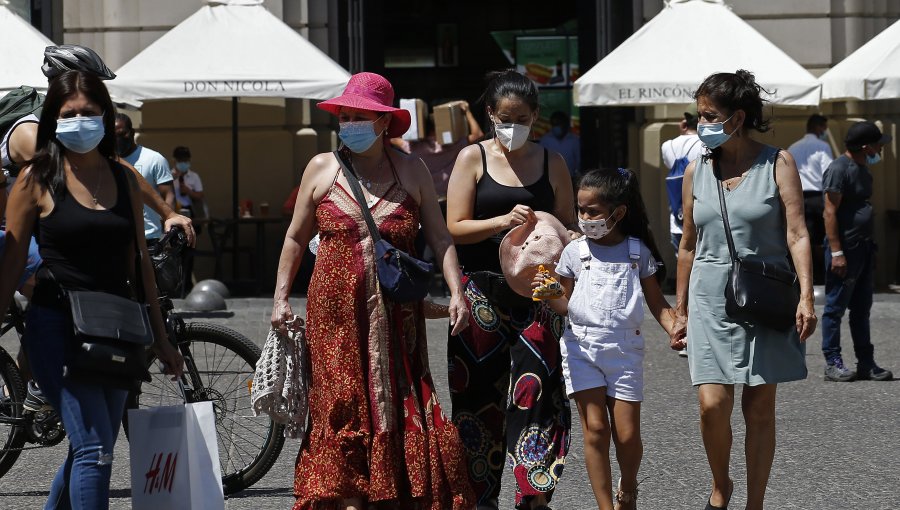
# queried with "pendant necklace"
point(96, 186)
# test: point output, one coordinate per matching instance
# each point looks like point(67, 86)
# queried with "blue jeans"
point(91, 414)
point(675, 239)
point(853, 292)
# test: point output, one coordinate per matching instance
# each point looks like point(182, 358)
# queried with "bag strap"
point(724, 210)
point(131, 181)
point(728, 238)
point(360, 198)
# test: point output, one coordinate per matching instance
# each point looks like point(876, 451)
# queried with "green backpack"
point(18, 103)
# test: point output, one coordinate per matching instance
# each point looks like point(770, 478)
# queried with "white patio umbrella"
point(666, 60)
point(870, 72)
point(229, 48)
point(21, 52)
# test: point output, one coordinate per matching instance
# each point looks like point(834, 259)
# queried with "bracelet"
point(839, 253)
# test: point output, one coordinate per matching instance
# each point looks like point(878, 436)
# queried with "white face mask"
point(512, 136)
point(596, 229)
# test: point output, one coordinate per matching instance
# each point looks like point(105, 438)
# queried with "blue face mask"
point(713, 134)
point(558, 131)
point(80, 134)
point(183, 166)
point(358, 136)
point(824, 136)
point(871, 159)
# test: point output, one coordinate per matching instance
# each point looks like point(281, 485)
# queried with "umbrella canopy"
point(666, 60)
point(871, 72)
point(21, 52)
point(233, 48)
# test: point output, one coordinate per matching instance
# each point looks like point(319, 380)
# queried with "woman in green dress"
point(764, 200)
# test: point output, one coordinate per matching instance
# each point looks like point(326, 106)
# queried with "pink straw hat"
point(528, 246)
point(370, 91)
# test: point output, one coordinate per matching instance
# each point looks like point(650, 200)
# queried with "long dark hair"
point(616, 187)
point(48, 163)
point(736, 91)
point(508, 83)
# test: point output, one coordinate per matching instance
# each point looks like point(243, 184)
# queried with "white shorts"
point(594, 358)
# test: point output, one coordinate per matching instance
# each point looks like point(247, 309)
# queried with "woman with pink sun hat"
point(378, 437)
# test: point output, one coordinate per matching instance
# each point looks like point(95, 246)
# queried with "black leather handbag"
point(758, 292)
point(403, 278)
point(112, 334)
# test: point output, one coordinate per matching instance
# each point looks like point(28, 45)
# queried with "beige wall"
point(817, 34)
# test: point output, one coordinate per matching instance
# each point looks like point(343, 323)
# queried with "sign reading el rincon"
point(682, 93)
point(234, 86)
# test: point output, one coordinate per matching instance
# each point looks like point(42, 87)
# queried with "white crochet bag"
point(281, 381)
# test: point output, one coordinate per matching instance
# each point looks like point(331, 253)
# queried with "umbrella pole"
point(234, 185)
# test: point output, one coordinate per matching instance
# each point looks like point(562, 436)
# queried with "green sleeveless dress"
point(721, 350)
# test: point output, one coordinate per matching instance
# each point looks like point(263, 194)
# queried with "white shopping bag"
point(175, 458)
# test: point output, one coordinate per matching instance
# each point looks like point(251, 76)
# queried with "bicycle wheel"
point(222, 372)
point(12, 394)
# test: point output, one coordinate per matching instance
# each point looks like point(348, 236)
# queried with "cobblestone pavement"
point(838, 444)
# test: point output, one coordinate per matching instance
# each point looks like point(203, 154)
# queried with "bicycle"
point(219, 367)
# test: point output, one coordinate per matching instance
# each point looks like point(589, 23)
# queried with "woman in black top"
point(89, 215)
point(511, 345)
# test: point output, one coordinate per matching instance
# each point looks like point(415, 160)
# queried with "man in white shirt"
point(152, 165)
point(813, 155)
point(188, 185)
point(686, 145)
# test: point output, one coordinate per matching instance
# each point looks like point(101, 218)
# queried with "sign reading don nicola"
point(237, 87)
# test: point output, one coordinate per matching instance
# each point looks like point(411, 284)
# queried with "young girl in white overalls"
point(607, 275)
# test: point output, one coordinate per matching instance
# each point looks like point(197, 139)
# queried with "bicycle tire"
point(11, 386)
point(240, 473)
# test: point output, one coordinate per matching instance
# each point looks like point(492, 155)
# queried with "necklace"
point(96, 186)
point(366, 182)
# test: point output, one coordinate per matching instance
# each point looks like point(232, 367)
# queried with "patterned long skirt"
point(508, 397)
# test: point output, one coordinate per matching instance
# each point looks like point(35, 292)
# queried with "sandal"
point(626, 500)
point(709, 505)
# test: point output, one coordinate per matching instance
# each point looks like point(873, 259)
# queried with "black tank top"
point(88, 249)
point(495, 199)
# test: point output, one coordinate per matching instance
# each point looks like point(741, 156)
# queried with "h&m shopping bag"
point(175, 458)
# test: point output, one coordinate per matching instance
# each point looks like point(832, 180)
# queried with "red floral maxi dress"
point(378, 431)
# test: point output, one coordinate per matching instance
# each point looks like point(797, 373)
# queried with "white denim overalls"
point(603, 346)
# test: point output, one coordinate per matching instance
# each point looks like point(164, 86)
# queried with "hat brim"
point(400, 118)
point(515, 238)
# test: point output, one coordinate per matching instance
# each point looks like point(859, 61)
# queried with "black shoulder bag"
point(403, 278)
point(757, 291)
point(112, 334)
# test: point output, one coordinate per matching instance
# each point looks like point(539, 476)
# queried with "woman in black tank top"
point(82, 199)
point(510, 342)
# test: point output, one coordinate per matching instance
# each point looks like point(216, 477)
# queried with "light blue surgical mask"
point(824, 136)
point(713, 134)
point(183, 166)
point(872, 159)
point(358, 136)
point(80, 134)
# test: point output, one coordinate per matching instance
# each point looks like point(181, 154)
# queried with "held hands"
point(281, 314)
point(677, 328)
point(459, 314)
point(806, 318)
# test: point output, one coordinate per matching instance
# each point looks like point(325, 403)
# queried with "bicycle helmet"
point(71, 57)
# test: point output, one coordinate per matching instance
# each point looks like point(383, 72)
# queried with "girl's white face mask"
point(597, 229)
